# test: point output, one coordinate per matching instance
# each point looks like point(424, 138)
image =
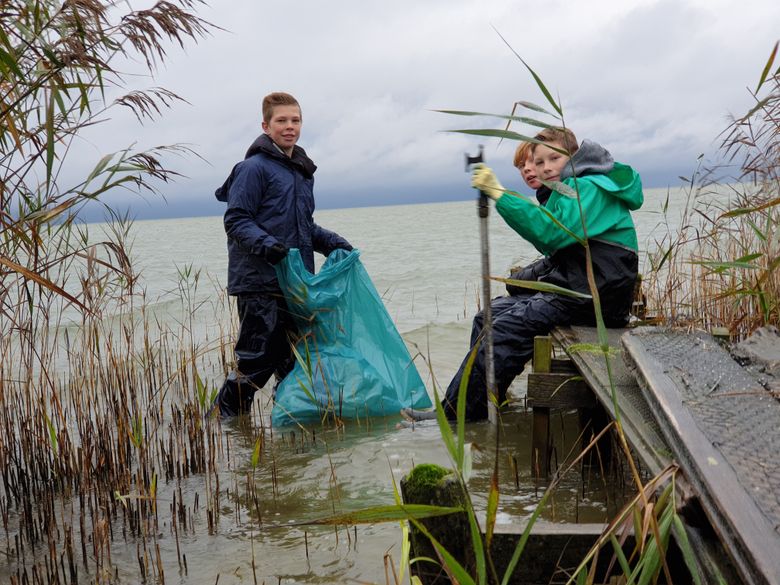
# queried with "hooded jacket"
point(608, 191)
point(270, 199)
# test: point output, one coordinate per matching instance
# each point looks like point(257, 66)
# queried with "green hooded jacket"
point(606, 201)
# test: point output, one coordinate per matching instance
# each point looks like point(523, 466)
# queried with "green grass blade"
point(461, 407)
point(535, 108)
point(406, 543)
point(681, 538)
point(718, 266)
point(767, 67)
point(652, 558)
point(257, 451)
point(496, 133)
point(99, 168)
point(52, 434)
point(745, 210)
point(446, 432)
point(394, 513)
point(541, 287)
point(522, 119)
point(50, 139)
point(621, 557)
point(510, 569)
point(561, 188)
point(538, 79)
point(453, 566)
point(492, 509)
point(508, 134)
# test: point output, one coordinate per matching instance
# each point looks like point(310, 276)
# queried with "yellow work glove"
point(484, 179)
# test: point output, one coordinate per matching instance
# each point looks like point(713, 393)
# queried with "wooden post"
point(540, 428)
point(433, 485)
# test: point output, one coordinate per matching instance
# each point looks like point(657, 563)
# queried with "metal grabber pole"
point(487, 316)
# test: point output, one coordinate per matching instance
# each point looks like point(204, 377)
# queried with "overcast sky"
point(652, 80)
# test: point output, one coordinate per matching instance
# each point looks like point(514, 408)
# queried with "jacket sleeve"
point(536, 225)
point(246, 192)
point(325, 241)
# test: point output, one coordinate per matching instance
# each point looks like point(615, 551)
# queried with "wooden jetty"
point(681, 398)
point(723, 427)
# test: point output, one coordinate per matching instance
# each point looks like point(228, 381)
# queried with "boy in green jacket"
point(608, 192)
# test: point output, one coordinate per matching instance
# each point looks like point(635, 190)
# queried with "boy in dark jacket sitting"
point(608, 191)
point(270, 206)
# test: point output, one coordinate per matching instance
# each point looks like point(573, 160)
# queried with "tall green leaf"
point(50, 137)
point(461, 409)
point(524, 120)
point(541, 287)
point(538, 79)
point(767, 67)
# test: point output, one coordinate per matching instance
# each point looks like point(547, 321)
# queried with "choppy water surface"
point(424, 260)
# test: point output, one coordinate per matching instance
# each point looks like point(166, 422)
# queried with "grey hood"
point(590, 159)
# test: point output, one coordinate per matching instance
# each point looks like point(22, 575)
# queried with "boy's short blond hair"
point(522, 154)
point(561, 136)
point(277, 98)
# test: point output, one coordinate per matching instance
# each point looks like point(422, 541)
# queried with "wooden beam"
point(558, 391)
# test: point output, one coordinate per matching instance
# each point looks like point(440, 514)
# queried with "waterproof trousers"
point(516, 321)
point(263, 348)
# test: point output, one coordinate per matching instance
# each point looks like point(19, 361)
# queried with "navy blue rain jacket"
point(270, 199)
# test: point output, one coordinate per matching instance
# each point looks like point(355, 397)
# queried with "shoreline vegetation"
point(96, 455)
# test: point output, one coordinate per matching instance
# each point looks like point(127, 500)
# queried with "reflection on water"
point(302, 478)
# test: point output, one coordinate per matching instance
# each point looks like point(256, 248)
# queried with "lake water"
point(424, 261)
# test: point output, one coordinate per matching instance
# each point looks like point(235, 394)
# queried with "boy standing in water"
point(608, 191)
point(270, 202)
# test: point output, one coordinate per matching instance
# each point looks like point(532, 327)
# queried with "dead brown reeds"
point(720, 267)
point(98, 407)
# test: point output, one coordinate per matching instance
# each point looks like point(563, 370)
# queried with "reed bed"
point(720, 268)
point(94, 421)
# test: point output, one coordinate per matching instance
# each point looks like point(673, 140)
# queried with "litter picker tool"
point(487, 328)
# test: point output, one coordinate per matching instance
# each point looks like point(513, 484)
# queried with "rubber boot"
point(234, 397)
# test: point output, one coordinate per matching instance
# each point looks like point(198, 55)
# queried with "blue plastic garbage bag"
point(350, 361)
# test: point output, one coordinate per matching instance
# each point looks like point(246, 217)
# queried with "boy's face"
point(529, 174)
point(548, 162)
point(284, 127)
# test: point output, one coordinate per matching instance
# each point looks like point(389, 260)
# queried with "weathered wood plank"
point(551, 552)
point(559, 391)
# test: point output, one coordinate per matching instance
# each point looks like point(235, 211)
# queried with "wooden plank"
point(750, 537)
point(559, 391)
point(551, 552)
point(562, 366)
point(542, 353)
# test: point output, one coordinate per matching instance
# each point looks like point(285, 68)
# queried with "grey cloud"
point(652, 80)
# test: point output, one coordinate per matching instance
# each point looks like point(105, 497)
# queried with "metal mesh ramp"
point(639, 425)
point(724, 429)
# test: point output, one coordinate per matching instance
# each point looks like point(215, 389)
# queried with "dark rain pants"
point(262, 349)
point(516, 321)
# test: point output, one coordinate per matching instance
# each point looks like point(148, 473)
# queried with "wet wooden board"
point(724, 430)
point(639, 426)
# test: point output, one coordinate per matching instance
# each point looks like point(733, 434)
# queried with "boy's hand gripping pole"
point(487, 328)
